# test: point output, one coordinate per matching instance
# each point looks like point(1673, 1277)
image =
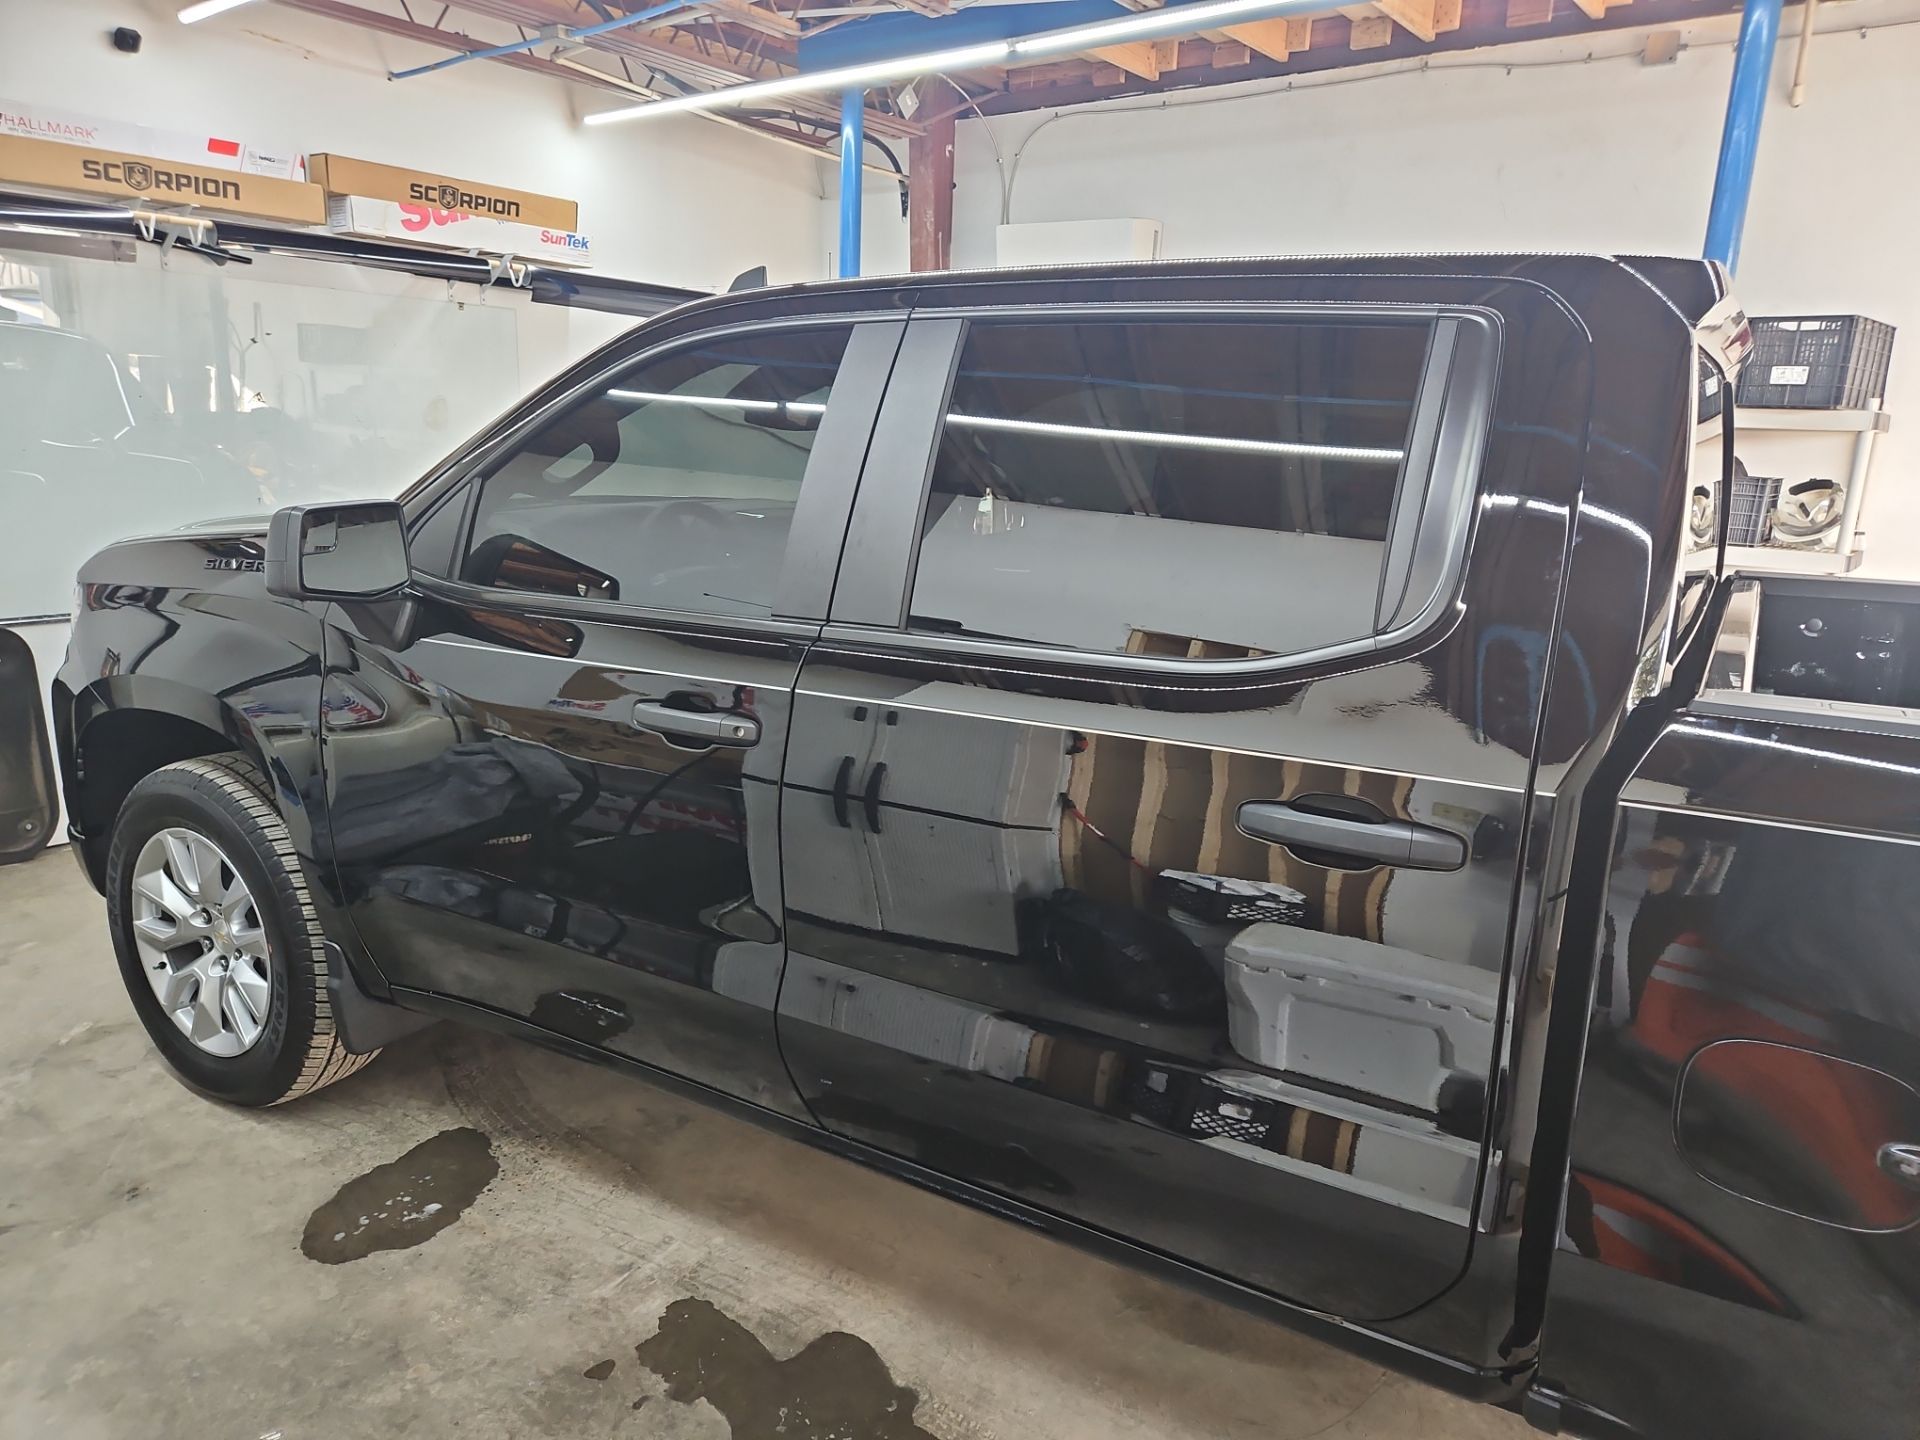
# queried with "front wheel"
point(216, 935)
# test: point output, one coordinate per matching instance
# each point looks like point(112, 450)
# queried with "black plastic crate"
point(1750, 516)
point(1224, 900)
point(1816, 362)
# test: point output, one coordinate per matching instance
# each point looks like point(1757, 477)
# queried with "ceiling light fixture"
point(847, 77)
point(1168, 20)
point(206, 9)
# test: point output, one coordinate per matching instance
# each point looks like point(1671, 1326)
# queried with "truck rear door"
point(1153, 813)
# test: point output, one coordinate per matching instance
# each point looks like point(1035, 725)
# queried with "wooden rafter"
point(1143, 58)
point(1359, 34)
point(1413, 16)
point(1275, 39)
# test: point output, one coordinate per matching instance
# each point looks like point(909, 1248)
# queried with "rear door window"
point(1183, 487)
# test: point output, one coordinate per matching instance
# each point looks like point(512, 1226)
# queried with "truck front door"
point(557, 800)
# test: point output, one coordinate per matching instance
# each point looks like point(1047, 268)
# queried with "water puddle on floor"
point(837, 1388)
point(403, 1202)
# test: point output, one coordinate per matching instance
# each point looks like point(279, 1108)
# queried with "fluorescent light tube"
point(1168, 20)
point(849, 77)
point(721, 402)
point(1287, 449)
point(208, 8)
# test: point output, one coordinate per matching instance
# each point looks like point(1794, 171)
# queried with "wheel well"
point(121, 748)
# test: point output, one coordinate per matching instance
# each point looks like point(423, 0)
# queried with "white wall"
point(1610, 155)
point(682, 201)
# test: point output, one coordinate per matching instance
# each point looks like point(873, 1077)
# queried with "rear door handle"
point(1384, 842)
point(842, 783)
point(1902, 1162)
point(696, 729)
point(870, 800)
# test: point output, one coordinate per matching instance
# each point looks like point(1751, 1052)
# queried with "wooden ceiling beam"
point(1136, 58)
point(749, 16)
point(1146, 58)
point(1458, 25)
point(1274, 39)
point(1413, 16)
point(1375, 32)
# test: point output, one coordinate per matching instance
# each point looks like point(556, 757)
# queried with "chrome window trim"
point(1456, 415)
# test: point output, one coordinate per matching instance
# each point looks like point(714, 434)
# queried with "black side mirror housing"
point(355, 551)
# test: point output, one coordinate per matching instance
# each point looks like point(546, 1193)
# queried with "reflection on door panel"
point(1202, 1040)
point(1118, 949)
point(503, 832)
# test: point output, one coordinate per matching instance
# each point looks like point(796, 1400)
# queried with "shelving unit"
point(1864, 426)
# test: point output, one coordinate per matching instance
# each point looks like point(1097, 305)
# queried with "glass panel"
point(140, 393)
point(433, 546)
point(672, 488)
point(1196, 488)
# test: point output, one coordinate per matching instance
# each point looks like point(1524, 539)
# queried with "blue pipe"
point(853, 139)
point(1740, 135)
point(621, 22)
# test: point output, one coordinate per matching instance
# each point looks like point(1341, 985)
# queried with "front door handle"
point(1902, 1162)
point(696, 729)
point(1384, 842)
point(870, 800)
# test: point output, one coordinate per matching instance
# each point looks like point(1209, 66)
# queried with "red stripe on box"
point(223, 147)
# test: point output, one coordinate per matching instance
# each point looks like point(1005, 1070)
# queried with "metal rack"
point(1864, 426)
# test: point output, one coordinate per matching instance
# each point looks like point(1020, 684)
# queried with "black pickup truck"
point(1256, 768)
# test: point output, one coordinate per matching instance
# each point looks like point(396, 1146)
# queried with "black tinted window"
point(1201, 488)
point(674, 487)
point(435, 540)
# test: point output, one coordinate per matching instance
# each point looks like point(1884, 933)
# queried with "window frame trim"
point(815, 540)
point(1427, 548)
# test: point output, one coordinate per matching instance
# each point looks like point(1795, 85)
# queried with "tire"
point(234, 992)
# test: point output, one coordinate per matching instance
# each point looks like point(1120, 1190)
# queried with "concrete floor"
point(152, 1280)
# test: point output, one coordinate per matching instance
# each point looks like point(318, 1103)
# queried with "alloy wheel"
point(202, 945)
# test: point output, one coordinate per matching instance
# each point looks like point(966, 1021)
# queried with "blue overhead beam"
point(894, 33)
point(1740, 135)
point(853, 139)
point(638, 17)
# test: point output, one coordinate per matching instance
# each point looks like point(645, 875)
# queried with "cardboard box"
point(455, 230)
point(216, 152)
point(55, 165)
point(340, 175)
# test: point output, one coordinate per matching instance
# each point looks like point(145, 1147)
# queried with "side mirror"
point(356, 551)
